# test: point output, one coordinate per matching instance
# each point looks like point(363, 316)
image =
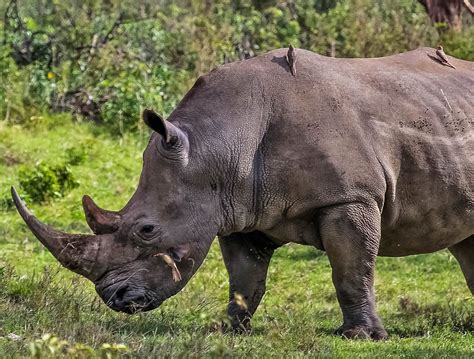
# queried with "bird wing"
point(442, 55)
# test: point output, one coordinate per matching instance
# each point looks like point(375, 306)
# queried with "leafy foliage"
point(105, 61)
point(44, 181)
point(49, 346)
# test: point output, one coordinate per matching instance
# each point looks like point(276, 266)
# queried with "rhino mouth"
point(138, 305)
point(127, 299)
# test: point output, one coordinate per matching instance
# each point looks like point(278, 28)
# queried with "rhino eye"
point(147, 229)
point(147, 232)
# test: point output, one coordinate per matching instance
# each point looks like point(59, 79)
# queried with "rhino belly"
point(432, 209)
point(434, 231)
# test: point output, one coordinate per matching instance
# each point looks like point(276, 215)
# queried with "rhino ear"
point(175, 144)
point(156, 123)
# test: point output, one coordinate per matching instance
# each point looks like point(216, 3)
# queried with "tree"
point(447, 11)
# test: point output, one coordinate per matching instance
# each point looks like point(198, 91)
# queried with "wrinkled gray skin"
point(357, 157)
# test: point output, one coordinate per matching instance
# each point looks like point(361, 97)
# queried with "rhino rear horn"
point(77, 252)
point(101, 221)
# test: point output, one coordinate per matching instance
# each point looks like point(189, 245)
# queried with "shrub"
point(105, 61)
point(49, 346)
point(6, 202)
point(45, 181)
point(460, 44)
point(76, 155)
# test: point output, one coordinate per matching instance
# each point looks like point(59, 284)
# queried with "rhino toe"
point(362, 332)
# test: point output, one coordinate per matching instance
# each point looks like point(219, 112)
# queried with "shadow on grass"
point(457, 317)
point(299, 252)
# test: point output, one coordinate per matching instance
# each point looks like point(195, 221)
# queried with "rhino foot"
point(241, 328)
point(231, 327)
point(241, 324)
point(362, 332)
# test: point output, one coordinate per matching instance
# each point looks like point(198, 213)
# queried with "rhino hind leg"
point(351, 236)
point(246, 257)
point(464, 253)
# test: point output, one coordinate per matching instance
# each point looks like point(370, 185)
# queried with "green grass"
point(423, 300)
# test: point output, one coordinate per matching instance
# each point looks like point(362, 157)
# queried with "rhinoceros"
point(356, 157)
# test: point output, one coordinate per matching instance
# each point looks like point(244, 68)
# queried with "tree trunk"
point(447, 11)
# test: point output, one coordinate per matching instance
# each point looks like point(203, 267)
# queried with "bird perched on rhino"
point(442, 57)
point(291, 59)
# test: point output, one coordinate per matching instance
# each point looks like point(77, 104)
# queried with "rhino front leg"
point(246, 257)
point(464, 253)
point(351, 235)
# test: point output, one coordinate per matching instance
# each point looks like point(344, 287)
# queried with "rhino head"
point(146, 252)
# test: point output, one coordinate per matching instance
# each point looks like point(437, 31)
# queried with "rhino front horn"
point(77, 252)
point(99, 220)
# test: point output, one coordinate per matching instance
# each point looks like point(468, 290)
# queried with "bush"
point(6, 202)
point(46, 181)
point(76, 155)
point(106, 61)
point(49, 346)
point(459, 44)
